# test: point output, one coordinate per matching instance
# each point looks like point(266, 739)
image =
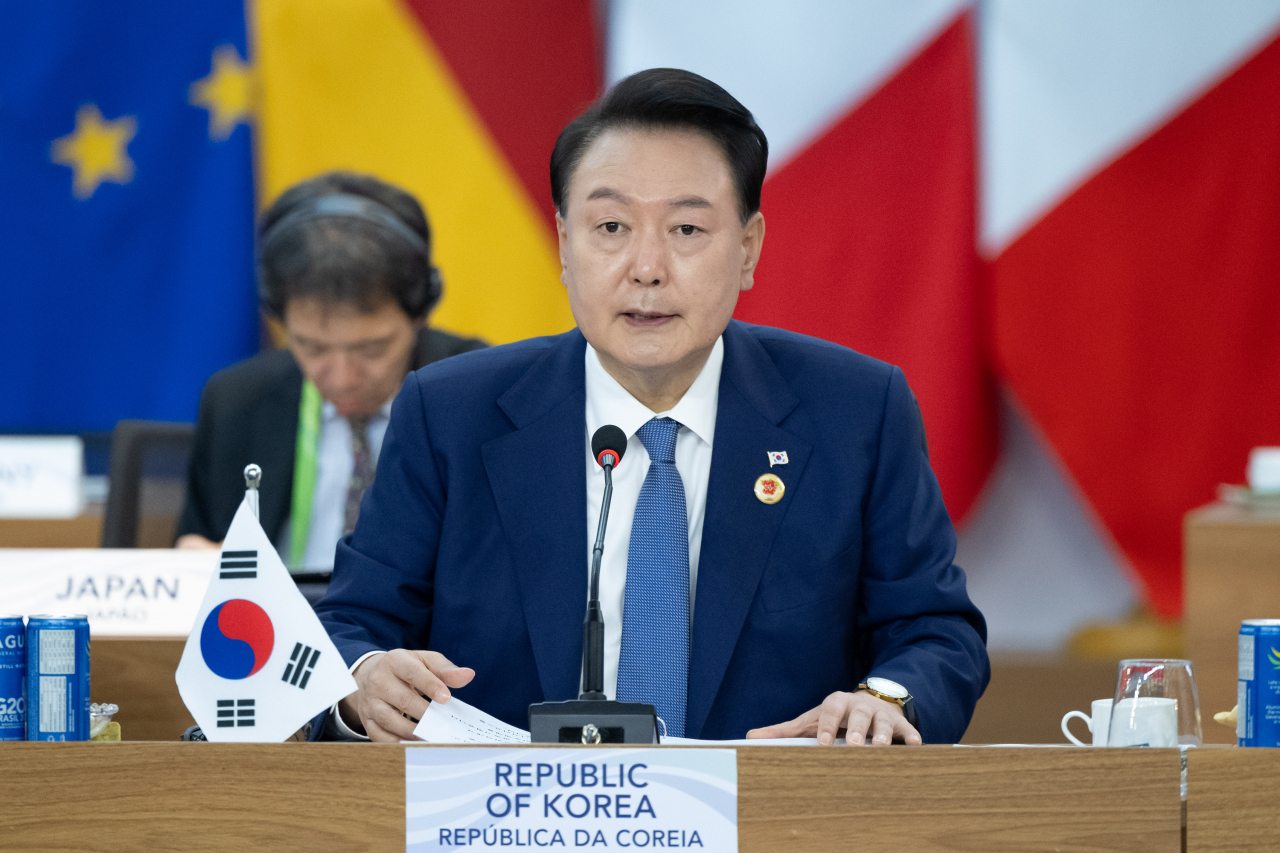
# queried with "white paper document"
point(776, 741)
point(457, 722)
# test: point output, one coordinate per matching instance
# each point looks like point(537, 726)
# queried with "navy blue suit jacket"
point(472, 541)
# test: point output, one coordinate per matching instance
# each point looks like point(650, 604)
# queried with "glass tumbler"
point(1155, 704)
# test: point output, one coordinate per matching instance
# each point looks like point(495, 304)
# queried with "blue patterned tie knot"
point(653, 665)
point(659, 439)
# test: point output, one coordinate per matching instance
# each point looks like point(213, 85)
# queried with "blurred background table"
point(82, 531)
point(1231, 561)
point(138, 675)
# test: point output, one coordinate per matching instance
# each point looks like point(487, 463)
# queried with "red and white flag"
point(869, 204)
point(1131, 213)
point(1076, 202)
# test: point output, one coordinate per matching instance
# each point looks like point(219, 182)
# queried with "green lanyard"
point(304, 473)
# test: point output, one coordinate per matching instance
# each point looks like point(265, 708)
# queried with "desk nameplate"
point(40, 476)
point(465, 796)
point(126, 592)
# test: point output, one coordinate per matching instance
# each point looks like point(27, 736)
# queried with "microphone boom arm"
point(593, 717)
point(593, 625)
point(597, 553)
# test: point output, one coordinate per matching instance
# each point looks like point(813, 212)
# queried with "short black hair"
point(669, 99)
point(346, 260)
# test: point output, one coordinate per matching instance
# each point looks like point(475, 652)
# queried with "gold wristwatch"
point(889, 691)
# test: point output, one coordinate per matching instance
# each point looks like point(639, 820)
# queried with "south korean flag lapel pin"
point(258, 664)
point(777, 457)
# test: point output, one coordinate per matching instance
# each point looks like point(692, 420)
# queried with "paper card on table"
point(571, 798)
point(125, 592)
point(774, 741)
point(41, 476)
point(457, 722)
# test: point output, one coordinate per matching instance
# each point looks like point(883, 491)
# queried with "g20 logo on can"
point(1274, 658)
point(237, 639)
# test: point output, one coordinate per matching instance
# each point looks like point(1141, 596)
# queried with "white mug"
point(1145, 721)
point(1097, 724)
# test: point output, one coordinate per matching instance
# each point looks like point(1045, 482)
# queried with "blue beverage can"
point(13, 678)
point(1258, 687)
point(58, 677)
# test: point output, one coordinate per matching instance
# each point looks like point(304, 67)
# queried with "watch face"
point(887, 687)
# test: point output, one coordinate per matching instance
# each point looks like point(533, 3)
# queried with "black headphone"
point(348, 206)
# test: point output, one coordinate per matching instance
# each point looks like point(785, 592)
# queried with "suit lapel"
point(538, 476)
point(739, 530)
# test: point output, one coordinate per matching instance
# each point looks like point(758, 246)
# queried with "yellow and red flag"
point(460, 103)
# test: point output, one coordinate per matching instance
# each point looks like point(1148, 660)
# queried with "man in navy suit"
point(778, 560)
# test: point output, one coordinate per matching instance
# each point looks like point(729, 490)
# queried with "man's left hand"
point(858, 715)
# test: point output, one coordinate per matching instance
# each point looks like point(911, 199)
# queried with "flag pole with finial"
point(252, 477)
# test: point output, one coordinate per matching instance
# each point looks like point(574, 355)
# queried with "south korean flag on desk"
point(258, 664)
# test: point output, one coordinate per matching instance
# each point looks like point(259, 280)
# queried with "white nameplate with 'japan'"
point(125, 592)
point(591, 798)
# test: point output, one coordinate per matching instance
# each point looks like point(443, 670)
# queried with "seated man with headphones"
point(345, 266)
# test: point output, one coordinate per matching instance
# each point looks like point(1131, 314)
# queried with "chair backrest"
point(132, 444)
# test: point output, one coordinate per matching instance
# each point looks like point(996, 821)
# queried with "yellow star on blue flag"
point(96, 151)
point(138, 292)
point(227, 93)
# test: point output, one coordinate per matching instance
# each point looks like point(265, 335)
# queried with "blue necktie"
point(653, 666)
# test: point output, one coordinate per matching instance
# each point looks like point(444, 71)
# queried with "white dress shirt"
point(609, 403)
point(334, 463)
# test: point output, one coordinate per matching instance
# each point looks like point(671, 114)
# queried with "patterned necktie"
point(361, 470)
point(653, 666)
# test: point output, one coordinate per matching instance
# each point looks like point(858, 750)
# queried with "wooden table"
point(81, 531)
point(161, 501)
point(193, 796)
point(1231, 800)
point(1231, 565)
point(138, 675)
point(1028, 695)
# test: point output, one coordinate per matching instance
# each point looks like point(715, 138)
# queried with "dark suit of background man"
point(346, 267)
point(776, 535)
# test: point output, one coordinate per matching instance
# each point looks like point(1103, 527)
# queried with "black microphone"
point(607, 446)
point(608, 438)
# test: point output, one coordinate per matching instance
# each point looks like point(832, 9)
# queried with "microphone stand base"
point(613, 722)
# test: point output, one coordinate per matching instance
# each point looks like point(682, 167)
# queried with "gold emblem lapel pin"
point(769, 488)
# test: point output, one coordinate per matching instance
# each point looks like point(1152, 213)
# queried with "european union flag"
point(126, 208)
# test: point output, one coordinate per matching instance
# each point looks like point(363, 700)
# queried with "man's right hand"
point(394, 689)
point(195, 540)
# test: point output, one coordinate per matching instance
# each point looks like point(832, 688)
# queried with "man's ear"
point(752, 243)
point(562, 236)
